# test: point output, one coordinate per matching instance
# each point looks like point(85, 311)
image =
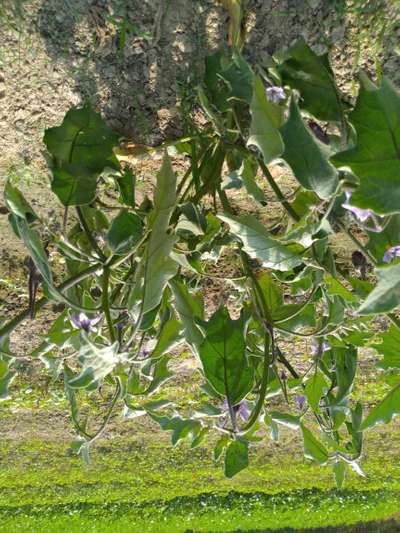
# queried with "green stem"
point(89, 234)
point(106, 303)
point(279, 194)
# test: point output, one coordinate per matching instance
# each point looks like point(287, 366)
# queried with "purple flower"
point(275, 94)
point(300, 400)
point(392, 253)
point(240, 409)
point(361, 214)
point(317, 348)
point(84, 322)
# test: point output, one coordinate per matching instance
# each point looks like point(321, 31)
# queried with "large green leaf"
point(239, 77)
point(236, 458)
point(159, 268)
point(386, 295)
point(168, 337)
point(125, 231)
point(346, 367)
point(259, 244)
point(313, 449)
point(83, 139)
point(306, 156)
point(385, 411)
point(74, 184)
point(223, 356)
point(376, 157)
point(312, 76)
point(389, 347)
point(266, 119)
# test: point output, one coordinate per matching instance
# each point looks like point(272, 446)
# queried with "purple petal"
point(300, 400)
point(275, 94)
point(391, 253)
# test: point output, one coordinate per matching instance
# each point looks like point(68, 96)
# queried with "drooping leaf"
point(258, 243)
point(236, 458)
point(312, 76)
point(313, 449)
point(17, 203)
point(159, 268)
point(375, 159)
point(266, 119)
point(125, 231)
point(96, 363)
point(181, 427)
point(306, 156)
point(168, 338)
point(389, 347)
point(316, 387)
point(385, 411)
point(386, 295)
point(223, 356)
point(189, 308)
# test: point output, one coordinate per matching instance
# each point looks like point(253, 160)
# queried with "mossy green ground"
point(137, 481)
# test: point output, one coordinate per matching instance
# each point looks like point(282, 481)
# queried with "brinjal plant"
point(131, 297)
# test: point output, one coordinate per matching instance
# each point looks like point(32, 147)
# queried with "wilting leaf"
point(125, 231)
point(236, 458)
point(312, 76)
point(376, 157)
point(306, 156)
point(259, 244)
point(386, 295)
point(266, 119)
point(223, 355)
point(385, 411)
point(313, 449)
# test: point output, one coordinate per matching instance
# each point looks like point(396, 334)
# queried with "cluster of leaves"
point(131, 292)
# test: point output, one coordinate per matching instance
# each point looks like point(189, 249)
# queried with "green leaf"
point(239, 77)
point(375, 159)
point(307, 157)
point(159, 268)
point(222, 443)
point(346, 367)
point(389, 348)
point(386, 295)
point(181, 428)
point(285, 419)
point(258, 243)
point(6, 377)
point(248, 173)
point(36, 250)
point(266, 119)
point(74, 185)
point(339, 470)
point(315, 388)
point(272, 292)
point(236, 458)
point(189, 307)
point(125, 231)
point(313, 449)
point(96, 363)
point(17, 203)
point(83, 139)
point(380, 242)
point(336, 288)
point(223, 356)
point(385, 411)
point(126, 184)
point(312, 76)
point(161, 374)
point(168, 337)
